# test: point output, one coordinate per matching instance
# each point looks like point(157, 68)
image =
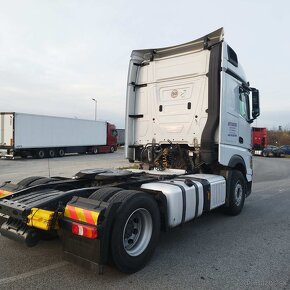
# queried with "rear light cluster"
point(84, 231)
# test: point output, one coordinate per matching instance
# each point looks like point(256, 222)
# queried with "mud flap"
point(91, 253)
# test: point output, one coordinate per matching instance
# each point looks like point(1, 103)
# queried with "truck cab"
point(191, 106)
point(259, 140)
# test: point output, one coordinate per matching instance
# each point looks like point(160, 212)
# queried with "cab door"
point(235, 129)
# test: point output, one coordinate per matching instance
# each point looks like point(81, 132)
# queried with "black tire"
point(27, 181)
point(112, 149)
point(40, 154)
point(43, 180)
point(32, 238)
point(60, 152)
point(135, 230)
point(51, 153)
point(264, 154)
point(104, 194)
point(95, 151)
point(237, 193)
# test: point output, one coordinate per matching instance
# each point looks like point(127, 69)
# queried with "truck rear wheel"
point(27, 181)
point(43, 180)
point(237, 194)
point(60, 152)
point(40, 154)
point(112, 149)
point(104, 194)
point(135, 230)
point(51, 153)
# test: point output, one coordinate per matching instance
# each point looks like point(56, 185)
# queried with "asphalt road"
point(249, 251)
point(16, 170)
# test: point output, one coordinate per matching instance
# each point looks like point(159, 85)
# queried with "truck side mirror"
point(255, 103)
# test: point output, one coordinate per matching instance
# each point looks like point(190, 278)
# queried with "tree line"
point(279, 137)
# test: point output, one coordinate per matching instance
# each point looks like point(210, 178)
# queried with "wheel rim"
point(238, 193)
point(51, 153)
point(41, 154)
point(61, 152)
point(112, 149)
point(137, 232)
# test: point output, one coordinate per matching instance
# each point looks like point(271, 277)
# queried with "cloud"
point(56, 55)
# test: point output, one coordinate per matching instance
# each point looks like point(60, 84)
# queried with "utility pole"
point(95, 108)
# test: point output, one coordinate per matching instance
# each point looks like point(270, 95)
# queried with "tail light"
point(4, 193)
point(84, 231)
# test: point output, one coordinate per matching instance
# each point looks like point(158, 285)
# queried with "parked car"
point(271, 150)
point(285, 149)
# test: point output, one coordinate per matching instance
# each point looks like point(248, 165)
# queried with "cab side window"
point(114, 133)
point(244, 105)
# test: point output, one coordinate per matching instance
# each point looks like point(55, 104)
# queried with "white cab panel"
point(167, 94)
point(174, 102)
point(234, 129)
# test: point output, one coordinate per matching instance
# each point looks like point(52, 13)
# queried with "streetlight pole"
point(95, 108)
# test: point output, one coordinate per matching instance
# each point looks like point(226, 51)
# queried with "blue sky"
point(56, 55)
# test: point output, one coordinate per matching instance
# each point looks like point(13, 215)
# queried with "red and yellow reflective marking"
point(4, 193)
point(81, 214)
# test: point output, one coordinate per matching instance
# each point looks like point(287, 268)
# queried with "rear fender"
point(236, 162)
point(84, 251)
point(162, 205)
point(96, 252)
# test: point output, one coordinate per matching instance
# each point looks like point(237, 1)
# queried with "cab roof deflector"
point(201, 43)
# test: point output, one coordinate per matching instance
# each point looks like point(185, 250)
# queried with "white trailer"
point(39, 135)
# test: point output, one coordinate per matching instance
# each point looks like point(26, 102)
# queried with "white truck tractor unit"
point(188, 107)
point(188, 115)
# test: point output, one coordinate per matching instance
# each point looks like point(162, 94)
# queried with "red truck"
point(259, 140)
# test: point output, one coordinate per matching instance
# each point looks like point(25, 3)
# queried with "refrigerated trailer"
point(188, 115)
point(49, 136)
